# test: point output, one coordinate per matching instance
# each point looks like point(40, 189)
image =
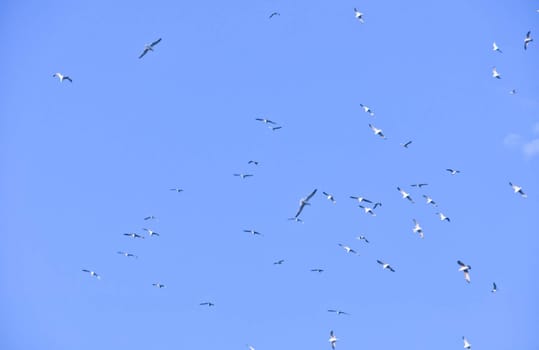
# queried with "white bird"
point(304, 201)
point(377, 131)
point(158, 285)
point(417, 229)
point(443, 217)
point(495, 73)
point(330, 197)
point(453, 171)
point(149, 47)
point(243, 176)
point(406, 144)
point(253, 232)
point(151, 232)
point(385, 265)
point(528, 39)
point(251, 347)
point(266, 121)
point(361, 199)
point(367, 210)
point(367, 109)
point(347, 249)
point(518, 189)
point(363, 238)
point(494, 288)
point(92, 273)
point(128, 254)
point(496, 47)
point(358, 15)
point(133, 235)
point(62, 77)
point(430, 200)
point(405, 195)
point(332, 339)
point(466, 269)
point(467, 344)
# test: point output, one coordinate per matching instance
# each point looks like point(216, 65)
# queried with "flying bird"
point(330, 197)
point(467, 344)
point(358, 15)
point(430, 200)
point(466, 269)
point(385, 265)
point(443, 217)
point(347, 249)
point(273, 128)
point(151, 232)
point(363, 238)
point(377, 131)
point(304, 201)
point(367, 109)
point(339, 312)
point(296, 220)
point(209, 303)
point(92, 273)
point(494, 288)
point(332, 339)
point(405, 195)
point(367, 210)
point(317, 270)
point(528, 39)
point(266, 121)
point(419, 185)
point(62, 77)
point(417, 229)
point(274, 14)
point(151, 217)
point(158, 285)
point(149, 47)
point(128, 255)
point(361, 199)
point(133, 235)
point(243, 176)
point(278, 262)
point(406, 144)
point(518, 189)
point(253, 232)
point(495, 73)
point(176, 190)
point(513, 92)
point(453, 171)
point(496, 47)
point(252, 162)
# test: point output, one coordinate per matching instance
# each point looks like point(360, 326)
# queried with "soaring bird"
point(419, 185)
point(495, 73)
point(528, 39)
point(406, 144)
point(317, 270)
point(405, 195)
point(512, 92)
point(151, 217)
point(296, 219)
point(385, 265)
point(273, 128)
point(305, 201)
point(253, 232)
point(158, 285)
point(62, 77)
point(332, 339)
point(209, 303)
point(377, 131)
point(92, 273)
point(330, 197)
point(367, 109)
point(252, 162)
point(494, 287)
point(496, 47)
point(176, 190)
point(358, 15)
point(347, 249)
point(243, 176)
point(151, 232)
point(443, 217)
point(266, 121)
point(368, 210)
point(466, 269)
point(467, 344)
point(128, 254)
point(274, 14)
point(149, 47)
point(339, 312)
point(417, 229)
point(518, 189)
point(361, 199)
point(278, 262)
point(453, 171)
point(133, 235)
point(430, 200)
point(363, 238)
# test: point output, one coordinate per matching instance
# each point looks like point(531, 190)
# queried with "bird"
point(296, 220)
point(209, 303)
point(419, 185)
point(358, 15)
point(243, 176)
point(252, 162)
point(278, 262)
point(443, 217)
point(496, 47)
point(363, 238)
point(151, 232)
point(339, 312)
point(133, 235)
point(518, 189)
point(176, 190)
point(253, 232)
point(453, 171)
point(417, 228)
point(495, 73)
point(347, 249)
point(62, 77)
point(377, 131)
point(512, 92)
point(406, 144)
point(149, 47)
point(361, 199)
point(405, 195)
point(274, 14)
point(92, 273)
point(467, 344)
point(466, 269)
point(330, 197)
point(304, 201)
point(251, 347)
point(430, 200)
point(385, 265)
point(151, 217)
point(367, 210)
point(528, 39)
point(332, 339)
point(158, 285)
point(266, 121)
point(317, 270)
point(367, 109)
point(494, 287)
point(273, 128)
point(128, 254)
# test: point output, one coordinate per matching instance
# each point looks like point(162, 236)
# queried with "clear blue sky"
point(84, 162)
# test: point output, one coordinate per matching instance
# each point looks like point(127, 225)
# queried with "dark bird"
point(266, 121)
point(278, 262)
point(252, 162)
point(176, 190)
point(243, 176)
point(151, 217)
point(453, 171)
point(209, 303)
point(128, 254)
point(274, 14)
point(304, 201)
point(158, 285)
point(275, 128)
point(494, 288)
point(317, 270)
point(406, 144)
point(296, 220)
point(339, 312)
point(253, 232)
point(419, 185)
point(133, 235)
point(363, 238)
point(149, 47)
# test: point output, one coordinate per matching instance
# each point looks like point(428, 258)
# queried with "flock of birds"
point(306, 201)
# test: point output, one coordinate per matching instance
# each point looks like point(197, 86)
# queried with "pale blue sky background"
point(83, 163)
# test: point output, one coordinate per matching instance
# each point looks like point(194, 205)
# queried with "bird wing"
point(467, 276)
point(300, 209)
point(311, 195)
point(461, 263)
point(143, 53)
point(380, 262)
point(155, 42)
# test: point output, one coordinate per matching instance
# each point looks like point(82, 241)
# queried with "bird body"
point(253, 232)
point(496, 47)
point(305, 201)
point(465, 269)
point(494, 288)
point(495, 73)
point(527, 40)
point(332, 339)
point(385, 265)
point(443, 217)
point(330, 197)
point(361, 199)
point(367, 109)
point(347, 249)
point(133, 235)
point(158, 285)
point(453, 171)
point(62, 77)
point(358, 15)
point(128, 254)
point(151, 232)
point(467, 344)
point(92, 273)
point(243, 176)
point(377, 131)
point(149, 47)
point(430, 200)
point(417, 228)
point(518, 189)
point(405, 195)
point(363, 238)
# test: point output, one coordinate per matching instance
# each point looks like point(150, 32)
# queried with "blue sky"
point(85, 162)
